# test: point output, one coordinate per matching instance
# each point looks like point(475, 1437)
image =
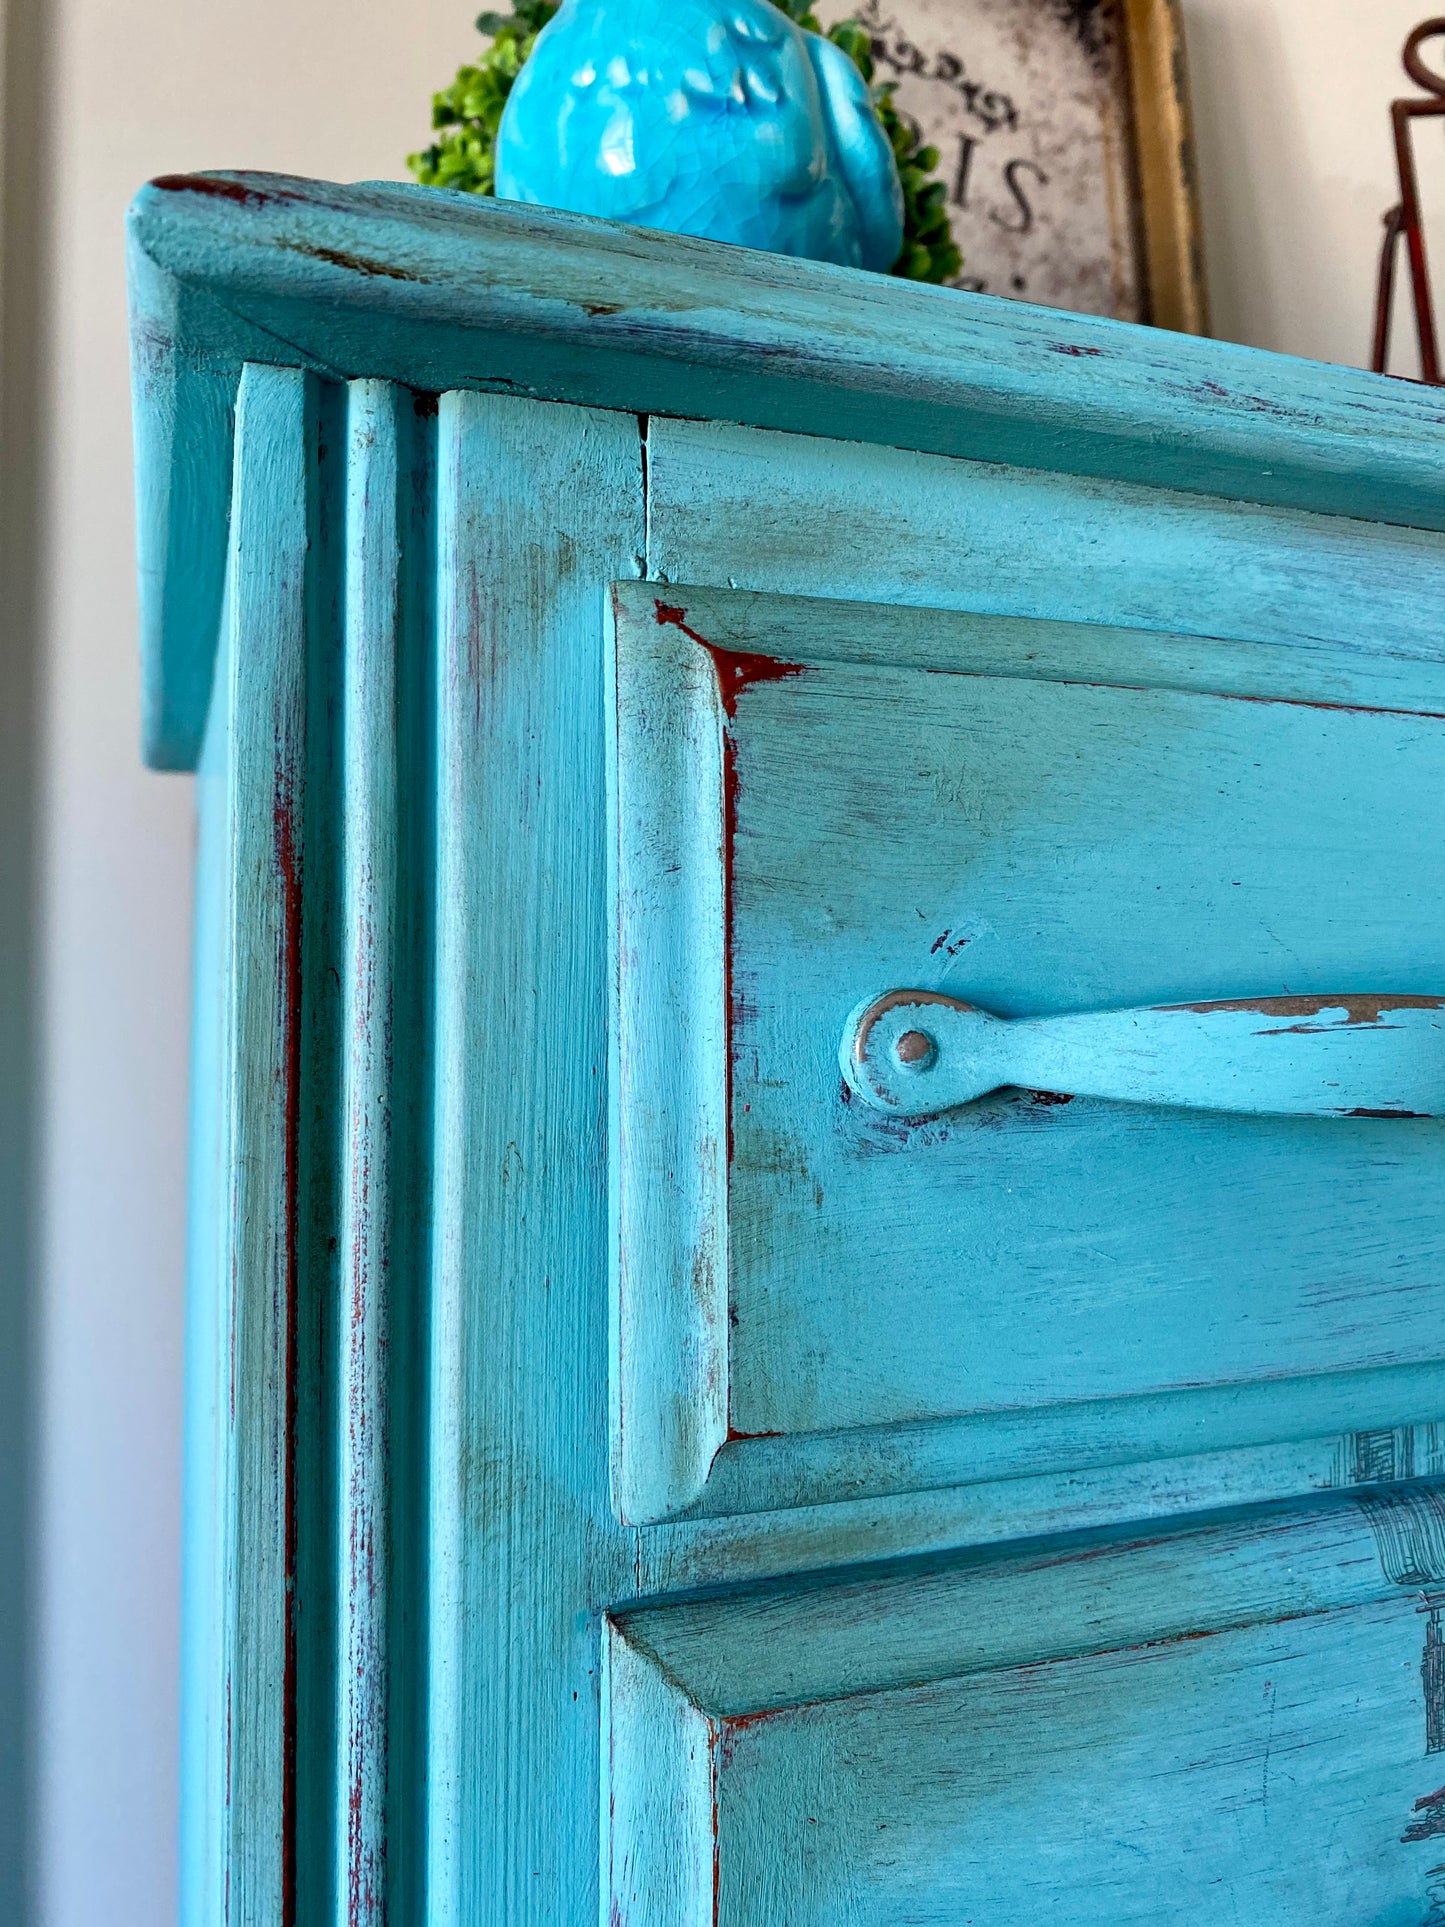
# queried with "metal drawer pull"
point(913, 1053)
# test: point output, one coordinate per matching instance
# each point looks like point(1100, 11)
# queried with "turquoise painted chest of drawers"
point(653, 1457)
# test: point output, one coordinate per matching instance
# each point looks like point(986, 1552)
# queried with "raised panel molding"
point(761, 1746)
point(683, 657)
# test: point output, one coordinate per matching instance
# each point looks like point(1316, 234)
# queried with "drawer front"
point(819, 803)
point(1233, 1724)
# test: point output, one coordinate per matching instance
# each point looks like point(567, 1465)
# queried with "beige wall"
point(1291, 98)
point(1296, 164)
point(339, 88)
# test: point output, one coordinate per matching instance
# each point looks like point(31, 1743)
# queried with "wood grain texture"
point(1233, 1720)
point(795, 1643)
point(260, 1220)
point(440, 290)
point(821, 1524)
point(378, 473)
point(893, 526)
point(1027, 844)
point(385, 774)
point(650, 1716)
point(1074, 641)
point(539, 508)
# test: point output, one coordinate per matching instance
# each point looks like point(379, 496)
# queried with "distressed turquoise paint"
point(916, 1053)
point(382, 781)
point(291, 1179)
point(1324, 597)
point(538, 509)
point(1058, 822)
point(252, 1869)
point(184, 415)
point(755, 1555)
point(206, 1531)
point(440, 290)
point(377, 422)
point(1129, 1725)
point(669, 1105)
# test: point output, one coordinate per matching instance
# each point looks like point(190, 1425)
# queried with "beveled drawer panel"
point(1235, 1723)
point(818, 803)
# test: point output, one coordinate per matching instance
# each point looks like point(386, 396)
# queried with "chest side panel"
point(538, 508)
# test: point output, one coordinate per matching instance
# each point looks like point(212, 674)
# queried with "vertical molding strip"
point(262, 1060)
point(671, 1072)
point(304, 1626)
point(373, 606)
point(415, 417)
point(538, 508)
point(205, 1486)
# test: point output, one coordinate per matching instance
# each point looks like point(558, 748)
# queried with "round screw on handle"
point(914, 1053)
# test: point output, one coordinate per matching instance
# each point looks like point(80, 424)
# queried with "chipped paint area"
point(527, 1555)
point(1357, 1009)
point(1431, 1821)
point(369, 266)
point(245, 193)
point(737, 669)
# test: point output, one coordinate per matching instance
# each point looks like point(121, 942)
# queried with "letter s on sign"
point(1025, 221)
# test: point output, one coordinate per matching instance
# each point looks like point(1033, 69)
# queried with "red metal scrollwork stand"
point(1403, 222)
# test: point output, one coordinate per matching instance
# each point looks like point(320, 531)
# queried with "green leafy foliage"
point(466, 115)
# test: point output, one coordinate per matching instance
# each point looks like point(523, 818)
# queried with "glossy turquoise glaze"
point(636, 1470)
point(725, 121)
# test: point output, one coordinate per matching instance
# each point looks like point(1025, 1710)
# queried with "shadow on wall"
point(24, 200)
point(1239, 237)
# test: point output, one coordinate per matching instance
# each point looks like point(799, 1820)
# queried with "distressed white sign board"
point(1027, 102)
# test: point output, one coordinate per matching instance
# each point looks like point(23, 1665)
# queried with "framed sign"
point(1062, 128)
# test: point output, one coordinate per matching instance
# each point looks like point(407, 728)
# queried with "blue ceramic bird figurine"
point(719, 118)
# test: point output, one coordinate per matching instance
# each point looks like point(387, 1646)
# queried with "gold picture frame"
point(1168, 185)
